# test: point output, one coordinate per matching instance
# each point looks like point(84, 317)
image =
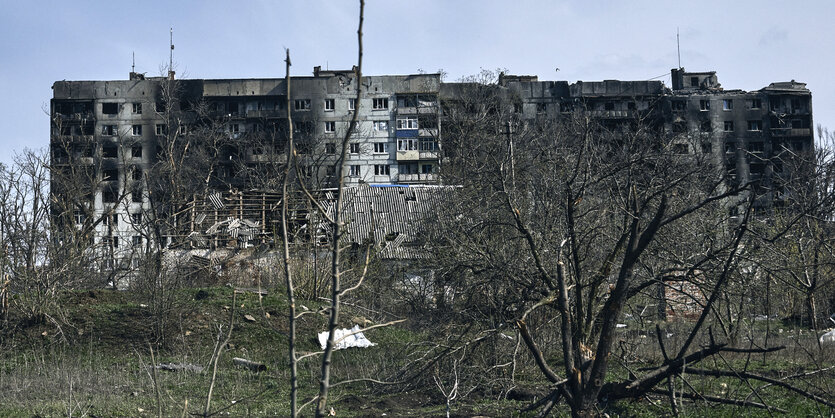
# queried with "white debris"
point(620, 325)
point(346, 338)
point(828, 338)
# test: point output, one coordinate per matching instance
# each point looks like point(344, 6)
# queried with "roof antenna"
point(171, 57)
point(678, 47)
point(133, 61)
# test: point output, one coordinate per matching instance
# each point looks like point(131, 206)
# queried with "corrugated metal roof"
point(394, 217)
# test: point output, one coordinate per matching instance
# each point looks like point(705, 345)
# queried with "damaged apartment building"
point(750, 133)
point(109, 138)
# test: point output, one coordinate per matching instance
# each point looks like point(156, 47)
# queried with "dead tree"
point(337, 224)
point(574, 219)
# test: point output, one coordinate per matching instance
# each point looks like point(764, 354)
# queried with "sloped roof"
point(395, 217)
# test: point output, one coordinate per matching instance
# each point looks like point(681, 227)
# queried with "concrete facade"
point(112, 131)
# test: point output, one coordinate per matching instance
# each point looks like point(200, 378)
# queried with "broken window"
point(137, 173)
point(730, 147)
point(704, 105)
point(756, 103)
point(406, 101)
point(426, 168)
point(707, 147)
point(381, 147)
point(109, 130)
point(757, 170)
point(109, 151)
point(136, 130)
point(136, 197)
point(795, 104)
point(137, 240)
point(382, 170)
point(727, 104)
point(380, 104)
point(329, 105)
point(757, 146)
point(110, 108)
point(160, 129)
point(136, 218)
point(110, 174)
point(729, 126)
point(136, 151)
point(304, 147)
point(354, 170)
point(631, 105)
point(609, 106)
point(517, 108)
point(705, 126)
point(330, 126)
point(303, 127)
point(330, 170)
point(679, 104)
point(541, 107)
point(754, 125)
point(137, 108)
point(352, 104)
point(301, 104)
point(355, 148)
point(694, 81)
point(797, 124)
point(108, 195)
point(330, 148)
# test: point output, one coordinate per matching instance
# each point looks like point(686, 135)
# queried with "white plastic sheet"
point(828, 338)
point(346, 338)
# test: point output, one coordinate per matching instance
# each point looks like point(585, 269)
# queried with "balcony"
point(614, 114)
point(75, 116)
point(71, 139)
point(790, 132)
point(266, 113)
point(421, 110)
point(428, 155)
point(417, 178)
point(411, 155)
point(784, 110)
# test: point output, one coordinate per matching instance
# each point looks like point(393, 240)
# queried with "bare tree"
point(337, 224)
point(576, 219)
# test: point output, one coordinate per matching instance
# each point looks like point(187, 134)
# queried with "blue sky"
point(749, 43)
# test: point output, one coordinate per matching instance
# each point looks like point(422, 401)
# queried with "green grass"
point(99, 367)
point(102, 368)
